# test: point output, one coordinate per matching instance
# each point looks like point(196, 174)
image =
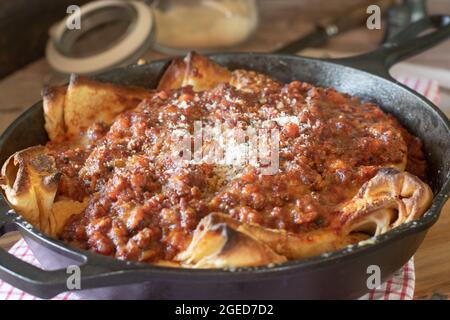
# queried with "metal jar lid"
point(77, 49)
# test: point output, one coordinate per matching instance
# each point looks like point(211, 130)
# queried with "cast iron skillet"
point(341, 274)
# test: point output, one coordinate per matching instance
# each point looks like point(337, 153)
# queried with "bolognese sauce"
point(145, 204)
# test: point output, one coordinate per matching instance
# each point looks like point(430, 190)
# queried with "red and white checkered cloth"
point(399, 287)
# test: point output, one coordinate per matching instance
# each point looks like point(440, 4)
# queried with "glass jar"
point(203, 25)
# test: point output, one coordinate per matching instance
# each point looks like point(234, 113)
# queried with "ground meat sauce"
point(144, 203)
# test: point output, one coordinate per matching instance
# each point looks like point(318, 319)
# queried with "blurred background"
point(37, 48)
point(204, 25)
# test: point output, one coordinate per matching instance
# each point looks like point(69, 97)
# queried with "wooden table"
point(281, 21)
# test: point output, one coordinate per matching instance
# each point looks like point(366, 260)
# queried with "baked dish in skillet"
point(113, 178)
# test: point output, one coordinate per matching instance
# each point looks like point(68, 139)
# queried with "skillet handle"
point(30, 278)
point(93, 271)
point(21, 274)
point(409, 42)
